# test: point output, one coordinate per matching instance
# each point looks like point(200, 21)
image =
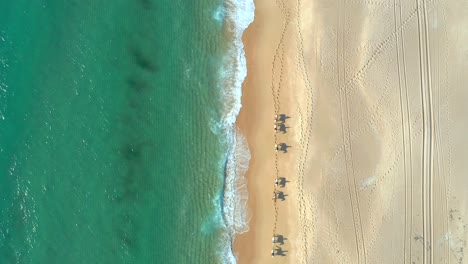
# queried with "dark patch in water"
point(127, 231)
point(126, 239)
point(137, 115)
point(132, 152)
point(130, 182)
point(137, 84)
point(134, 104)
point(125, 227)
point(146, 4)
point(135, 178)
point(127, 195)
point(143, 61)
point(136, 147)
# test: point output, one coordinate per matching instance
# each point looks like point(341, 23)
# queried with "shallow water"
point(113, 131)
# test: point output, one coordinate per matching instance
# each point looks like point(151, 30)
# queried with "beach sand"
point(375, 92)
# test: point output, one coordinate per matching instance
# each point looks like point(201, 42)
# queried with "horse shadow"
point(283, 147)
point(282, 118)
point(280, 252)
point(280, 195)
point(280, 239)
point(282, 128)
point(282, 182)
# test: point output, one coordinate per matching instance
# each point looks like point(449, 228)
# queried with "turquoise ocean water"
point(117, 142)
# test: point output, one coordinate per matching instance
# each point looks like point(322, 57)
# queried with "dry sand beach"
point(376, 94)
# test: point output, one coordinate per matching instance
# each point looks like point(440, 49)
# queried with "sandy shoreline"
point(373, 91)
point(256, 121)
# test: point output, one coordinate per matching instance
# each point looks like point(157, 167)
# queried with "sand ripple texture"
point(381, 111)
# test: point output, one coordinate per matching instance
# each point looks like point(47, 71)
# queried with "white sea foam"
point(219, 14)
point(238, 14)
point(235, 186)
point(235, 193)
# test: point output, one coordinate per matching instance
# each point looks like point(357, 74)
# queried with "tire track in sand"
point(360, 74)
point(431, 142)
point(382, 46)
point(407, 110)
point(345, 128)
point(403, 114)
point(428, 131)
